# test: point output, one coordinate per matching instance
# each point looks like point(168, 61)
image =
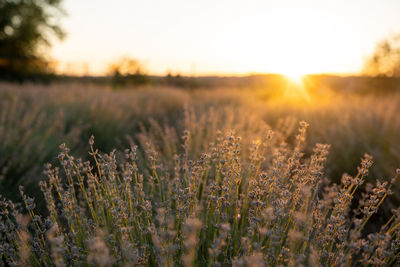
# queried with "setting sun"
point(295, 77)
point(295, 87)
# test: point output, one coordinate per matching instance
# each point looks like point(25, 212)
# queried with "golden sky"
point(225, 36)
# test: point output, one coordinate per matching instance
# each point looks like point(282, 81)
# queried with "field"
point(216, 177)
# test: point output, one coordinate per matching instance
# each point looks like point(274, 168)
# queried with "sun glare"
point(295, 77)
point(295, 87)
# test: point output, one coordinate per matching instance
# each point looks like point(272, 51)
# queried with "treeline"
point(273, 84)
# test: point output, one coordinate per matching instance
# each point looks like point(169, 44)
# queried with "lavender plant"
point(238, 203)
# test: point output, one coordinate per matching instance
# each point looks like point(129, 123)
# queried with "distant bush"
point(385, 60)
point(128, 72)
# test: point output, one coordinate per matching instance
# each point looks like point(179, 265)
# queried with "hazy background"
point(225, 37)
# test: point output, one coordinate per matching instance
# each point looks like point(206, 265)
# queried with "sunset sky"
point(225, 36)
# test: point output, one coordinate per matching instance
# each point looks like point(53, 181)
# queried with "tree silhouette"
point(385, 60)
point(26, 29)
point(127, 71)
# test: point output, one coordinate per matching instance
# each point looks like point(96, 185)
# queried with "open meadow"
point(199, 133)
point(164, 176)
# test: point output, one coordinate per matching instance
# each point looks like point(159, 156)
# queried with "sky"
point(224, 37)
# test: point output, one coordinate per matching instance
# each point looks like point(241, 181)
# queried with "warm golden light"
point(295, 87)
point(295, 77)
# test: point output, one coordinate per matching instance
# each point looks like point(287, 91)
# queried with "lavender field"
point(162, 176)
